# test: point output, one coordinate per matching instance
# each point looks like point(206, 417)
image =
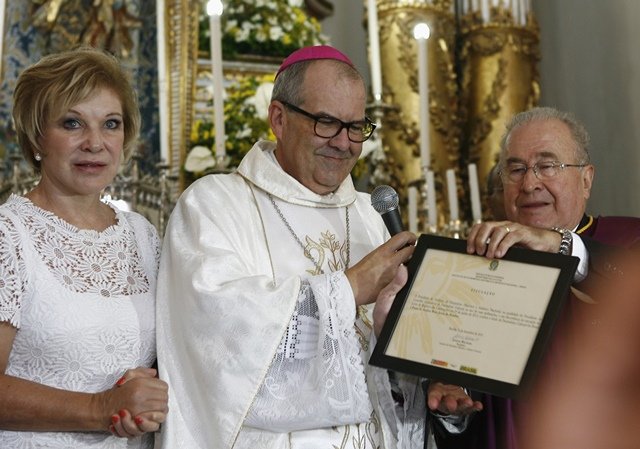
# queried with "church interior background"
point(441, 103)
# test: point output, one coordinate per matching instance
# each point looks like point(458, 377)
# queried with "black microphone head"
point(384, 199)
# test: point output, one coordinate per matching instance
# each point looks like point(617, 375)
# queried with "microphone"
point(384, 200)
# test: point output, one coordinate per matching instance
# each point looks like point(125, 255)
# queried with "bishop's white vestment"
point(259, 337)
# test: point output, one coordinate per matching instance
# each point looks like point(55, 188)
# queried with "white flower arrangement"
point(267, 28)
point(199, 160)
point(263, 28)
point(246, 106)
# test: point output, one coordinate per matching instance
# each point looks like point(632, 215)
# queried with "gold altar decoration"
point(181, 54)
point(499, 77)
point(482, 69)
point(400, 126)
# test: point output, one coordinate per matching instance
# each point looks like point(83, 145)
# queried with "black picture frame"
point(560, 265)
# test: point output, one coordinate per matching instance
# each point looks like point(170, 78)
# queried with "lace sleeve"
point(13, 273)
point(317, 376)
point(147, 237)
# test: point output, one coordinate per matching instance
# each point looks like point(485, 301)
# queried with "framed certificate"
point(472, 321)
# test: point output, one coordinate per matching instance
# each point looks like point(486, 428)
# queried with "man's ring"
point(507, 229)
point(487, 241)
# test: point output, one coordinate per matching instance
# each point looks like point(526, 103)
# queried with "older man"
point(267, 279)
point(547, 179)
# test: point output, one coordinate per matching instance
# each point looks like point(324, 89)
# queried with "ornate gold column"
point(181, 19)
point(499, 54)
point(401, 133)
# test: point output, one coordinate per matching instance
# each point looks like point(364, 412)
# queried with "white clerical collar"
point(261, 168)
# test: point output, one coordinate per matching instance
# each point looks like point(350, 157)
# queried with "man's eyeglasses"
point(515, 172)
point(328, 127)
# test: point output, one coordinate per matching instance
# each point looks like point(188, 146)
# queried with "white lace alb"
point(317, 378)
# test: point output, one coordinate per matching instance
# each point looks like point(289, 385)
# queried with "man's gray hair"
point(288, 84)
point(578, 132)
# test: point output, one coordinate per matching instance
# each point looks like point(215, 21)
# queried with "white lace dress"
point(83, 303)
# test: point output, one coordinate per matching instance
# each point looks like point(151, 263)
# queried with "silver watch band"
point(566, 241)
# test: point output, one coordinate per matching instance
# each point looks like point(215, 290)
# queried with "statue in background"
point(104, 24)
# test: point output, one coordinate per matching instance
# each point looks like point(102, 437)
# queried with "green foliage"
point(245, 118)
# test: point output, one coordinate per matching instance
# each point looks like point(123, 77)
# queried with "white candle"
point(214, 9)
point(374, 50)
point(474, 188)
point(163, 82)
point(2, 8)
point(484, 8)
point(523, 12)
point(452, 193)
point(421, 32)
point(432, 212)
point(412, 194)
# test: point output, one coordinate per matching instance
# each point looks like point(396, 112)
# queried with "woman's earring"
point(37, 157)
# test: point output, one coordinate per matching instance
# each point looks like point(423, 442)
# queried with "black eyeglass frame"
point(506, 176)
point(319, 118)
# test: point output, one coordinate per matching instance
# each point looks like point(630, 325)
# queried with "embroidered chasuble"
point(258, 334)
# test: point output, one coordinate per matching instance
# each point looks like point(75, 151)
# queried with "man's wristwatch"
point(567, 240)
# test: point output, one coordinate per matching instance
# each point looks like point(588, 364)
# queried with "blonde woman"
point(77, 276)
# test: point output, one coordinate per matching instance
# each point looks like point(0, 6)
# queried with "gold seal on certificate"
point(472, 321)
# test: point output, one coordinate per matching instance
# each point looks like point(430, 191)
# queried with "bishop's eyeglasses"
point(514, 172)
point(327, 127)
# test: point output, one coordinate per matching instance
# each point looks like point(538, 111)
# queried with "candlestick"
point(163, 82)
point(452, 192)
point(421, 33)
point(412, 195)
point(474, 189)
point(214, 9)
point(374, 50)
point(431, 200)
